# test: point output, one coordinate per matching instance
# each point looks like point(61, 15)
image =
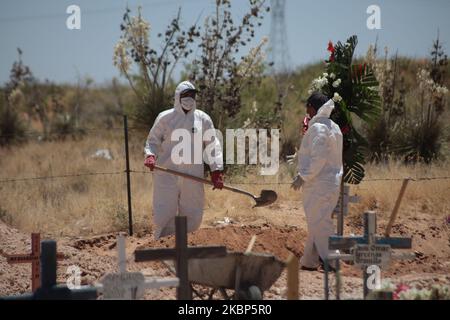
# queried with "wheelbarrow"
point(248, 274)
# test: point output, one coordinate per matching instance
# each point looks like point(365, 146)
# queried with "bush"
point(11, 128)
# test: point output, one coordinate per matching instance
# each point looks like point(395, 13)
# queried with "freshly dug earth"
point(96, 256)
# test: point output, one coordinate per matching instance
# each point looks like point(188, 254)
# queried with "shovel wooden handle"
point(201, 180)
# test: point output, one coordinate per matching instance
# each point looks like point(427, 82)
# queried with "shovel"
point(266, 198)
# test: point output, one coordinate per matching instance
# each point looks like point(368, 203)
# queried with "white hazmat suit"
point(320, 167)
point(174, 195)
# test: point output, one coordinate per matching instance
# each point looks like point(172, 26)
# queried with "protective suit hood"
point(320, 166)
point(180, 88)
point(323, 112)
point(174, 195)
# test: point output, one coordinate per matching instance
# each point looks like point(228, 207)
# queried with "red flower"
point(400, 288)
point(346, 129)
point(331, 50)
point(331, 47)
point(305, 124)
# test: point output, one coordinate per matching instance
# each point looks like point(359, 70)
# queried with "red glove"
point(150, 162)
point(305, 125)
point(217, 179)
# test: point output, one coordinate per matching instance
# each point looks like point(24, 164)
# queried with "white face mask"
point(188, 103)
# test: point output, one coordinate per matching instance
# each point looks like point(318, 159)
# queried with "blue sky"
point(53, 52)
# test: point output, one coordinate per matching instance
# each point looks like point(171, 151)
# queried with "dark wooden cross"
point(48, 289)
point(33, 258)
point(181, 254)
point(367, 250)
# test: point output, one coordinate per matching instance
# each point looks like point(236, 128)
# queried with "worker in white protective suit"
point(182, 125)
point(319, 173)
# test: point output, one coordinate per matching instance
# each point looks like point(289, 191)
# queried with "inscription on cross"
point(367, 250)
point(181, 254)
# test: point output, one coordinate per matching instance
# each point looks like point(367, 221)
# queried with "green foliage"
point(12, 129)
point(353, 88)
point(414, 102)
point(217, 71)
point(152, 84)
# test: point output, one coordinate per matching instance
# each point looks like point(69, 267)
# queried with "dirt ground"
point(279, 233)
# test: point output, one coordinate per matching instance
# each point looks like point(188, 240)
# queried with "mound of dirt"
point(275, 240)
point(95, 256)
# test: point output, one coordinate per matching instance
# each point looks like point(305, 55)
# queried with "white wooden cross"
point(129, 285)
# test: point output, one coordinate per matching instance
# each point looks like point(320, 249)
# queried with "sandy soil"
point(279, 229)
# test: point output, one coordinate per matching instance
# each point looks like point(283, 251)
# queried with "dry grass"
point(425, 196)
point(98, 204)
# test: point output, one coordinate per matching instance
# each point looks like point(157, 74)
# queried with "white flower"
point(254, 107)
point(337, 97)
point(247, 123)
point(319, 83)
point(442, 90)
point(332, 76)
point(121, 59)
point(325, 75)
point(337, 83)
point(387, 285)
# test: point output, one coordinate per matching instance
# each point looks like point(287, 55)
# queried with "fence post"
point(127, 157)
point(396, 207)
point(340, 218)
point(292, 277)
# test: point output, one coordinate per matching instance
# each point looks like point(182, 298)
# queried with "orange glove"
point(150, 162)
point(217, 179)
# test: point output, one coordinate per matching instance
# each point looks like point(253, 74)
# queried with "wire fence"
point(23, 179)
point(77, 131)
point(127, 171)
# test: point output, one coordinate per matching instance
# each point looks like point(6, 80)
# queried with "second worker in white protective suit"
point(319, 173)
point(173, 195)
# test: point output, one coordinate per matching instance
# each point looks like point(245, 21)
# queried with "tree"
point(155, 67)
point(218, 73)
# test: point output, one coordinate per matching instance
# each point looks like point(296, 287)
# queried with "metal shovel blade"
point(267, 198)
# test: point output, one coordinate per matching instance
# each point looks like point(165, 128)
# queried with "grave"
point(49, 289)
point(33, 258)
point(129, 285)
point(181, 254)
point(366, 251)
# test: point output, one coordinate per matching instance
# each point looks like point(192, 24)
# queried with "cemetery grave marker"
point(368, 250)
point(33, 258)
point(181, 254)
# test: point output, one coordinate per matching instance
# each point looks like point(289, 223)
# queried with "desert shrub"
point(152, 84)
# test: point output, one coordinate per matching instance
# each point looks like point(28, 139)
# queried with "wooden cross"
point(341, 209)
point(33, 258)
point(367, 250)
point(181, 254)
point(48, 289)
point(129, 285)
point(347, 199)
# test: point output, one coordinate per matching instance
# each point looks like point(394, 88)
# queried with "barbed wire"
point(7, 180)
point(288, 183)
point(78, 131)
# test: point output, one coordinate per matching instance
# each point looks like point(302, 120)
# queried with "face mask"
point(187, 103)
